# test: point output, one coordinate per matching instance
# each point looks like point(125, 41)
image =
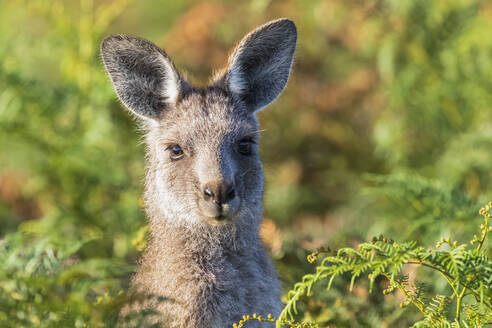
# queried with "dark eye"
point(175, 152)
point(244, 147)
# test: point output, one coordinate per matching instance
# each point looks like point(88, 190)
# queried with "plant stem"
point(486, 231)
point(412, 299)
point(458, 304)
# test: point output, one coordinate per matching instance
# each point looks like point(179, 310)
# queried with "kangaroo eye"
point(175, 152)
point(244, 147)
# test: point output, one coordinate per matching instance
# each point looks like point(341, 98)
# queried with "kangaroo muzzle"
point(218, 202)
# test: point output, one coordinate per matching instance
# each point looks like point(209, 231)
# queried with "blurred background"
point(385, 127)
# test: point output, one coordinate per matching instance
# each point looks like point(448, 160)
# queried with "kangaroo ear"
point(260, 65)
point(143, 77)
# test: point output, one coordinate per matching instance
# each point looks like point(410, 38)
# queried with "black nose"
point(218, 192)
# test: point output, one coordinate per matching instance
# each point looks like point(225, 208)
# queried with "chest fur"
point(210, 291)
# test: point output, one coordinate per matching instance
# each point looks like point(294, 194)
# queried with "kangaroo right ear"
point(143, 76)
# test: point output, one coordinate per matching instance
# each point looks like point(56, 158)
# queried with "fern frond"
point(467, 270)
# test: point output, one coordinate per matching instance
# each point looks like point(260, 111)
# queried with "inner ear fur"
point(143, 76)
point(259, 67)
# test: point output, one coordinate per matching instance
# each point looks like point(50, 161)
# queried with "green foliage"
point(44, 283)
point(57, 130)
point(418, 197)
point(384, 128)
point(437, 78)
point(466, 268)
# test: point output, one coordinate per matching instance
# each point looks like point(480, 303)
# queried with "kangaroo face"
point(206, 158)
point(203, 161)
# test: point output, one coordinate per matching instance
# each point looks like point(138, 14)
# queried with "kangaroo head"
point(203, 161)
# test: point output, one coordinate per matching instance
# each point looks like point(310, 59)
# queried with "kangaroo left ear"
point(260, 65)
point(143, 76)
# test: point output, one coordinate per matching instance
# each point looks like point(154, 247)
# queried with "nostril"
point(208, 193)
point(230, 194)
point(218, 193)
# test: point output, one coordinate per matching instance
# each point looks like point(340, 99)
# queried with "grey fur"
point(212, 269)
point(141, 74)
point(262, 62)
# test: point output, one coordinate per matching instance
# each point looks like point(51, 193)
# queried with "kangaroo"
point(204, 178)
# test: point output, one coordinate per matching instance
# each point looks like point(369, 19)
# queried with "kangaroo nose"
point(219, 193)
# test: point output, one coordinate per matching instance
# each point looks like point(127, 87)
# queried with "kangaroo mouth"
point(219, 214)
point(220, 217)
point(218, 220)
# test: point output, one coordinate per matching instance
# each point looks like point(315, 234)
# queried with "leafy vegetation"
point(384, 128)
point(468, 271)
point(465, 267)
point(44, 284)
